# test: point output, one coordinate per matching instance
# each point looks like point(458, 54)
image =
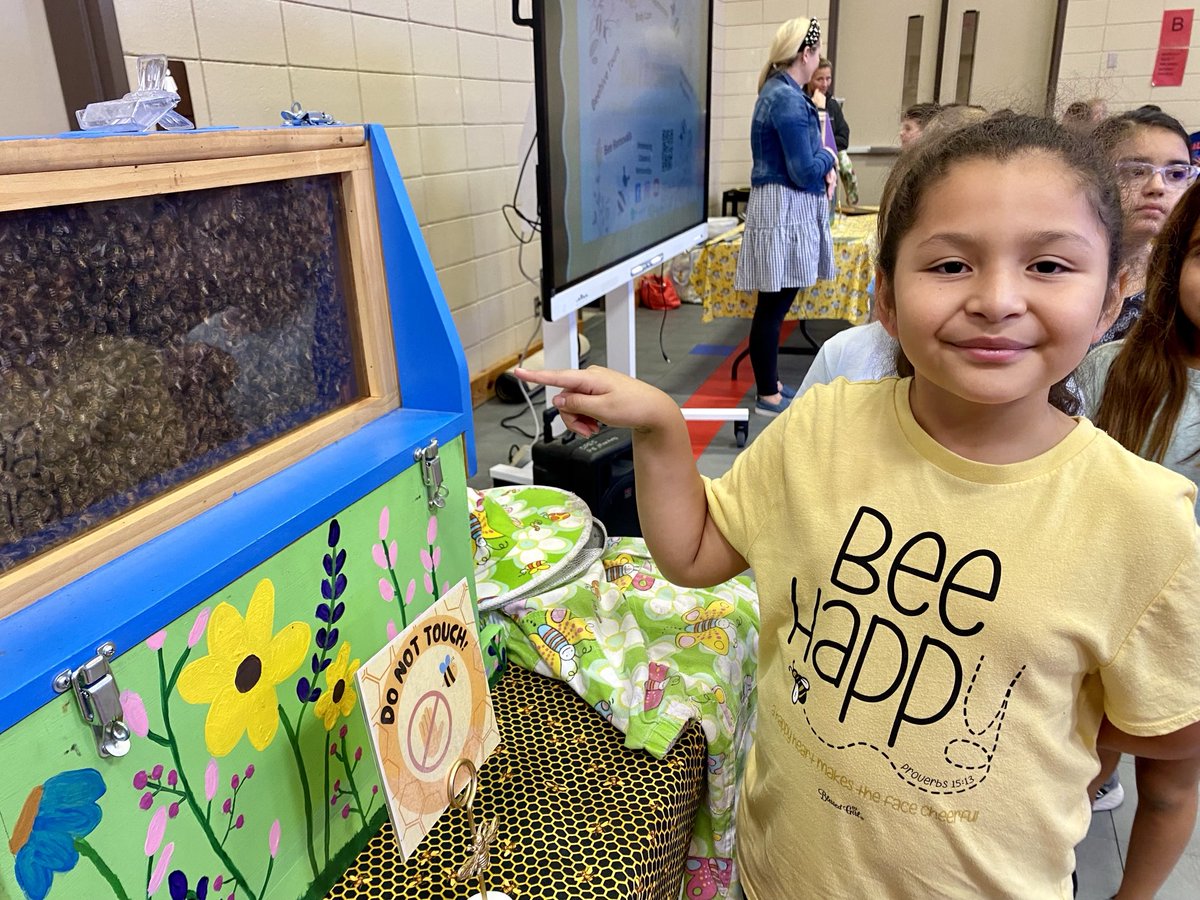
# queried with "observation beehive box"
point(234, 439)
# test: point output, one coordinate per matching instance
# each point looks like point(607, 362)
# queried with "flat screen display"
point(623, 89)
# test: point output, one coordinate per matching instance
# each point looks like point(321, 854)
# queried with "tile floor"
point(1100, 856)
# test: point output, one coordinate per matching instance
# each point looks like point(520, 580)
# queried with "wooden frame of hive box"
point(191, 542)
point(42, 173)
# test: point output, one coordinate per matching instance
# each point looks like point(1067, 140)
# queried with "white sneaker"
point(1110, 795)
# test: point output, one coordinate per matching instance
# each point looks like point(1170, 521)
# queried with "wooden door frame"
point(87, 52)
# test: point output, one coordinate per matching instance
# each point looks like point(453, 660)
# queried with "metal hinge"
point(431, 474)
point(99, 700)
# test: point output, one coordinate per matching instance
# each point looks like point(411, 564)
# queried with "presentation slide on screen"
point(634, 93)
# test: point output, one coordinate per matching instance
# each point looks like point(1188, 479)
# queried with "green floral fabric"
point(651, 657)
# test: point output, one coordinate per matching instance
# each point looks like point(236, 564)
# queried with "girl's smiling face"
point(1000, 282)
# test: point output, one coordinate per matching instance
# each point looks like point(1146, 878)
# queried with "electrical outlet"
point(1111, 61)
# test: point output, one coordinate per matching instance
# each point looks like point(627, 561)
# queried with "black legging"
point(764, 338)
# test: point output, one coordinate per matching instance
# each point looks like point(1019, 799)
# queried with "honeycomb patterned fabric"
point(580, 815)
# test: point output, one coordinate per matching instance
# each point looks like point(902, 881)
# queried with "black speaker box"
point(599, 469)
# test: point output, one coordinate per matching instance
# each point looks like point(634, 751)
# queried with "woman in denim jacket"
point(787, 244)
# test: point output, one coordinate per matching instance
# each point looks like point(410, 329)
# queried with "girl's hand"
point(830, 182)
point(596, 394)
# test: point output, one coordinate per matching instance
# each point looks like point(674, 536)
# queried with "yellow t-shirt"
point(939, 639)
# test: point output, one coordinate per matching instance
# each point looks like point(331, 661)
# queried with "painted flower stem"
point(326, 794)
point(158, 738)
point(396, 584)
point(295, 744)
point(262, 892)
point(86, 850)
point(345, 758)
point(189, 795)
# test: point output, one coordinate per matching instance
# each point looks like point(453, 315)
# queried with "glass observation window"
point(145, 341)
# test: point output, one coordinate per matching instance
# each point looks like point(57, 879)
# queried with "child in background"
point(1145, 392)
point(940, 641)
point(1149, 150)
point(914, 120)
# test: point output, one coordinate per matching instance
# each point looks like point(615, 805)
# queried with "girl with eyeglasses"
point(1150, 152)
point(1144, 391)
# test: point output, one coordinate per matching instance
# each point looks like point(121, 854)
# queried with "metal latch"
point(431, 474)
point(99, 700)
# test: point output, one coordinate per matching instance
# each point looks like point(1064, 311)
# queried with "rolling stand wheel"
point(741, 431)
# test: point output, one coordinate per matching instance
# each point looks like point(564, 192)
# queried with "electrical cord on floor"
point(663, 324)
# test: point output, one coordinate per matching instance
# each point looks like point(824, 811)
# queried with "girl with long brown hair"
point(1145, 392)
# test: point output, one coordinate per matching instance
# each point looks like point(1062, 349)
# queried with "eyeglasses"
point(1175, 177)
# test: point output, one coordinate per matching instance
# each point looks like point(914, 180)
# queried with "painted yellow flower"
point(244, 665)
point(338, 698)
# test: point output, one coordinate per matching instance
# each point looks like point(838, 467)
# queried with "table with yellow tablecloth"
point(845, 296)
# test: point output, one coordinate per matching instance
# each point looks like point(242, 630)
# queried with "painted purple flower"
point(346, 811)
point(227, 806)
point(156, 830)
point(157, 772)
point(217, 882)
point(235, 781)
point(249, 771)
point(140, 779)
point(147, 800)
point(273, 838)
point(133, 710)
point(198, 626)
point(173, 809)
point(160, 870)
point(241, 820)
point(211, 774)
point(172, 778)
point(342, 732)
point(357, 753)
point(156, 640)
point(177, 884)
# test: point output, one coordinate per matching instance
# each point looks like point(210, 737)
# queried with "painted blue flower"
point(177, 884)
point(56, 814)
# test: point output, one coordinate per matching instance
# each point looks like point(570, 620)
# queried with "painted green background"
point(204, 839)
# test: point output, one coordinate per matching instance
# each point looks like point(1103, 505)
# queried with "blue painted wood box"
point(221, 356)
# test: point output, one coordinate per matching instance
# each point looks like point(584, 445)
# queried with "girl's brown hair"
point(1001, 138)
point(1150, 364)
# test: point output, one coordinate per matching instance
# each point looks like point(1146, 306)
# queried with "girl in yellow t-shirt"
point(958, 579)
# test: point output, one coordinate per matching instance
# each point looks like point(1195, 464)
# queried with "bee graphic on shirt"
point(800, 688)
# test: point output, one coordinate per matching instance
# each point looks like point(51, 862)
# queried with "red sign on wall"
point(1176, 28)
point(1173, 40)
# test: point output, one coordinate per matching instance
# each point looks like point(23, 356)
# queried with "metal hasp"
point(99, 700)
point(431, 474)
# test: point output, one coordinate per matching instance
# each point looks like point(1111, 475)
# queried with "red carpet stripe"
point(721, 390)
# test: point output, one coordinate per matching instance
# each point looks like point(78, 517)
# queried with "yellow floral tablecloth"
point(843, 297)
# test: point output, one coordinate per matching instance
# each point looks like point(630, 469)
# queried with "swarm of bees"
point(145, 340)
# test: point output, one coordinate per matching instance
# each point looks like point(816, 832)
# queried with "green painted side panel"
point(249, 761)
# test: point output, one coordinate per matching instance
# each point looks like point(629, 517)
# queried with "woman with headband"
point(787, 244)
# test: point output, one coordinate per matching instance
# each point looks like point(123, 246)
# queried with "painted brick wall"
point(1108, 51)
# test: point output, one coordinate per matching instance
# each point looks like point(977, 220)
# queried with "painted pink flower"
point(160, 870)
point(386, 591)
point(134, 713)
point(384, 516)
point(391, 630)
point(211, 774)
point(198, 626)
point(426, 560)
point(273, 838)
point(378, 555)
point(431, 531)
point(155, 831)
point(437, 556)
point(412, 589)
point(155, 641)
point(428, 583)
